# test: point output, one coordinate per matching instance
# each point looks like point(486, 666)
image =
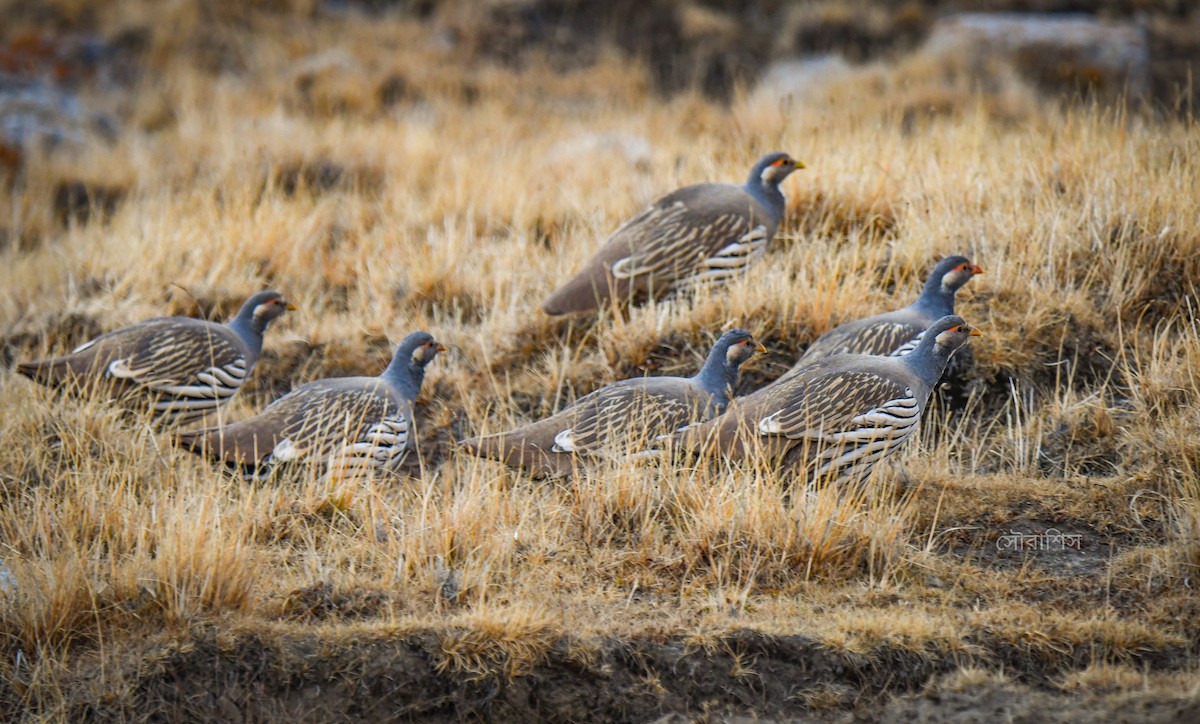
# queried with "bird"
point(896, 332)
point(179, 367)
point(622, 416)
point(351, 425)
point(698, 234)
point(838, 417)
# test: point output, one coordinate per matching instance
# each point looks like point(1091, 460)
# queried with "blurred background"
point(78, 75)
point(1143, 50)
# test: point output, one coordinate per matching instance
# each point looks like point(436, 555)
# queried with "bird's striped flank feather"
point(871, 437)
point(729, 261)
point(908, 346)
point(381, 447)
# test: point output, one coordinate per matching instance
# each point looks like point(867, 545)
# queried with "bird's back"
point(617, 418)
point(882, 334)
point(317, 417)
point(165, 343)
point(667, 241)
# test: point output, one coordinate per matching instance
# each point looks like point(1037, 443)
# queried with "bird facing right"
point(351, 425)
point(896, 332)
point(179, 367)
point(838, 417)
point(700, 234)
point(622, 417)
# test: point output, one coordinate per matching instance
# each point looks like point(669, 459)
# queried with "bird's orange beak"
point(759, 348)
point(291, 307)
point(976, 333)
point(442, 348)
point(976, 269)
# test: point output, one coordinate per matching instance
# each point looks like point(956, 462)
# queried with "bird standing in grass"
point(698, 234)
point(181, 368)
point(838, 417)
point(898, 332)
point(623, 416)
point(352, 425)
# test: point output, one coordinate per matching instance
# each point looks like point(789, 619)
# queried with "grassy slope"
point(148, 579)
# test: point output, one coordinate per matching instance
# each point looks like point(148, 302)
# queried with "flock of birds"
point(856, 394)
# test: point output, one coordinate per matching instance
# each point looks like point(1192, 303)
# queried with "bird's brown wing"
point(847, 421)
point(172, 351)
point(826, 405)
point(625, 414)
point(710, 230)
point(883, 334)
point(828, 411)
point(309, 423)
point(189, 366)
point(630, 413)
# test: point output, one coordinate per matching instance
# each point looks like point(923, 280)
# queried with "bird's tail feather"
point(47, 372)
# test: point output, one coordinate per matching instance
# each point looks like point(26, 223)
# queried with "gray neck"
point(717, 377)
point(768, 194)
point(929, 359)
point(936, 300)
point(250, 330)
point(405, 375)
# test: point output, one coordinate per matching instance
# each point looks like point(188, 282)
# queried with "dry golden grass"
point(1076, 411)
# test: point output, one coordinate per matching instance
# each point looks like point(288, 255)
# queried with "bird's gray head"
point(739, 346)
point(407, 369)
point(951, 274)
point(731, 350)
point(772, 169)
point(263, 308)
point(418, 349)
point(949, 333)
point(938, 344)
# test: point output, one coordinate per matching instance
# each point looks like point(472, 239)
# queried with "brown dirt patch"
point(306, 677)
